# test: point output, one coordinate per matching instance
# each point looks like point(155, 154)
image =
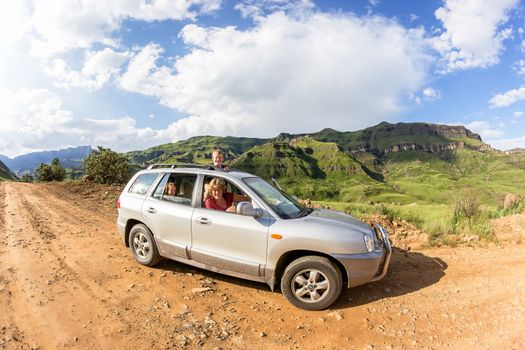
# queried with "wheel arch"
point(292, 255)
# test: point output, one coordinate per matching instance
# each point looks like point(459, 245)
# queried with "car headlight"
point(369, 241)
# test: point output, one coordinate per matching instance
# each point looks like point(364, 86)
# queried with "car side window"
point(159, 191)
point(233, 191)
point(176, 188)
point(142, 184)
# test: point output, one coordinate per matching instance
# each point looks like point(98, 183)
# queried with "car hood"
point(334, 218)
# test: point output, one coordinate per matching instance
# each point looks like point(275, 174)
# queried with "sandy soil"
point(67, 281)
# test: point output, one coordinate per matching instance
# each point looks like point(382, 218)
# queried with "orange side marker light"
point(276, 236)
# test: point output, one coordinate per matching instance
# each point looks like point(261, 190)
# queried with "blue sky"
point(137, 73)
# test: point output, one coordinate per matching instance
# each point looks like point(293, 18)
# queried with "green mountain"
point(404, 163)
point(5, 173)
point(194, 150)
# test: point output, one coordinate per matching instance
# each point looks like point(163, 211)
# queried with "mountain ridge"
point(69, 157)
point(379, 140)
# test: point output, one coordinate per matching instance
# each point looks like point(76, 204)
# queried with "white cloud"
point(485, 130)
point(507, 98)
point(519, 67)
point(285, 74)
point(258, 8)
point(28, 112)
point(57, 26)
point(143, 75)
point(118, 134)
point(517, 114)
point(34, 120)
point(506, 144)
point(472, 35)
point(98, 68)
point(428, 94)
point(493, 135)
point(413, 17)
point(14, 20)
point(431, 94)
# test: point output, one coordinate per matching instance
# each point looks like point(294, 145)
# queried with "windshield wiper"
point(305, 212)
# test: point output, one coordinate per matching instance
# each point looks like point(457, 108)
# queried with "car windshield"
point(283, 205)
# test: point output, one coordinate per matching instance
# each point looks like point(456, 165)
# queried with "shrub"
point(467, 207)
point(106, 166)
point(27, 178)
point(50, 172)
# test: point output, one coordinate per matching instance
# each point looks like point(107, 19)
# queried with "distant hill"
point(194, 150)
point(69, 158)
point(6, 173)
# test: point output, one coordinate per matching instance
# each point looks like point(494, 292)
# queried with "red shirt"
point(211, 204)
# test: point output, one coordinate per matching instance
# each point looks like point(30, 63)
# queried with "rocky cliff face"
point(387, 130)
point(514, 150)
point(452, 146)
point(484, 148)
point(409, 146)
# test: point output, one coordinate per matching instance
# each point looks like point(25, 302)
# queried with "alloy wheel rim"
point(310, 286)
point(141, 245)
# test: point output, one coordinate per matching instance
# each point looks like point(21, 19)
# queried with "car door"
point(169, 217)
point(230, 241)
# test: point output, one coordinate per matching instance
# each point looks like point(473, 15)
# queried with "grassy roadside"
point(444, 224)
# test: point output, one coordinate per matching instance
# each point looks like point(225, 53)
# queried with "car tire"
point(311, 283)
point(143, 246)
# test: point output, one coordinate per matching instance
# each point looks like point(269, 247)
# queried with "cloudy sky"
point(129, 74)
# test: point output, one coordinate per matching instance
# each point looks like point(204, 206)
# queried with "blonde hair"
point(218, 152)
point(170, 185)
point(214, 183)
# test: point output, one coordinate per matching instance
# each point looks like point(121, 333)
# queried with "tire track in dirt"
point(41, 290)
point(10, 335)
point(85, 252)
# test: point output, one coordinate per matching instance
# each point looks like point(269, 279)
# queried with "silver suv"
point(310, 253)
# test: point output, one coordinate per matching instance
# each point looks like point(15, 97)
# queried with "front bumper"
point(368, 267)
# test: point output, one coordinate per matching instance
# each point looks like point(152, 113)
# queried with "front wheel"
point(143, 245)
point(311, 283)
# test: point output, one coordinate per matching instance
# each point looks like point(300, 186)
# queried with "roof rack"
point(182, 165)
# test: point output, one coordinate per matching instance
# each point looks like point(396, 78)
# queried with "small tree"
point(58, 172)
point(50, 172)
point(43, 172)
point(27, 178)
point(106, 166)
point(467, 207)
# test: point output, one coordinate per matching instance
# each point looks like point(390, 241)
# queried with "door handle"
point(203, 221)
point(152, 210)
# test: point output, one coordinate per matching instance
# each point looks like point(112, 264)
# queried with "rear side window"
point(142, 183)
point(177, 188)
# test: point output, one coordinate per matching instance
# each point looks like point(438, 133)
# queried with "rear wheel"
point(143, 245)
point(311, 283)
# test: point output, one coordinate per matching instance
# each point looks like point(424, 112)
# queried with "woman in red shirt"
point(217, 198)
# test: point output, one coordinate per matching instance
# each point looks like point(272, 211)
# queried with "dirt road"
point(67, 281)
